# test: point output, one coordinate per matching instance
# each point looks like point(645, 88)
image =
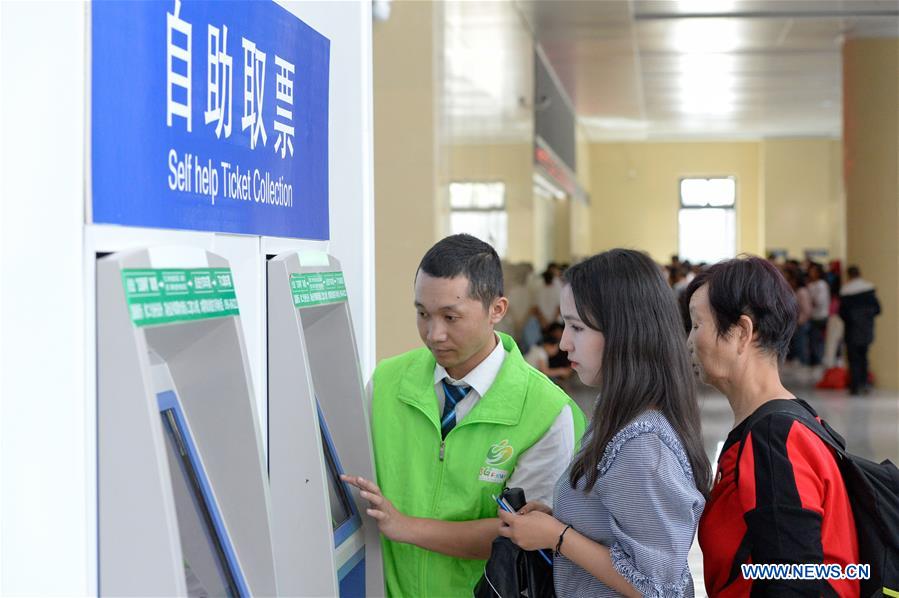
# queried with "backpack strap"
point(799, 410)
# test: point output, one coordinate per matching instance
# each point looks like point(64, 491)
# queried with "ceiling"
point(650, 69)
point(488, 72)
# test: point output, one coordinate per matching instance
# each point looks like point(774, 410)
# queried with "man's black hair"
point(755, 288)
point(853, 272)
point(468, 256)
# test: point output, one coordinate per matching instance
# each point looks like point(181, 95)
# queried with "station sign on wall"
point(209, 116)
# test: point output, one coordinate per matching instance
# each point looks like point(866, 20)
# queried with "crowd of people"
point(835, 321)
point(534, 316)
point(834, 328)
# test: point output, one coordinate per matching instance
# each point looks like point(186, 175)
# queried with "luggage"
point(835, 378)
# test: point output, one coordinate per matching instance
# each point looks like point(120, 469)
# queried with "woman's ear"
point(744, 331)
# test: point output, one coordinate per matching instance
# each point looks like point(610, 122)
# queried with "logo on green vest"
point(498, 454)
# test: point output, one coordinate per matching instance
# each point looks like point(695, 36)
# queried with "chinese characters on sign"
point(169, 147)
point(162, 296)
point(284, 95)
point(178, 67)
point(317, 288)
point(254, 85)
point(219, 85)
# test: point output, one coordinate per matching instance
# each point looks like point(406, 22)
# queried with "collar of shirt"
point(481, 378)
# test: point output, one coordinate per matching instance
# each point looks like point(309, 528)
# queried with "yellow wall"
point(561, 250)
point(540, 230)
point(837, 201)
point(635, 195)
point(871, 146)
point(581, 245)
point(789, 195)
point(405, 165)
point(803, 195)
point(510, 163)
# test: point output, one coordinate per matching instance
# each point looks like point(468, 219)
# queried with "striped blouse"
point(644, 507)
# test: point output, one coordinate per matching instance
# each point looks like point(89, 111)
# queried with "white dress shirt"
point(538, 468)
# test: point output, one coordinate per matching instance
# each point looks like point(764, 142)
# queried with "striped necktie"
point(453, 395)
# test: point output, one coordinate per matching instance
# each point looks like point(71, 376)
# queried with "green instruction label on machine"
point(317, 288)
point(163, 296)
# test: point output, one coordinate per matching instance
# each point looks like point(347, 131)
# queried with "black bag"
point(511, 572)
point(873, 490)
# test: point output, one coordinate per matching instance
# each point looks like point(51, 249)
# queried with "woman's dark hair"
point(468, 256)
point(753, 287)
point(622, 294)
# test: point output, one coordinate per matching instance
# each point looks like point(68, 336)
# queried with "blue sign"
point(209, 116)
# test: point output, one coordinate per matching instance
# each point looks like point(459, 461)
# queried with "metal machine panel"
point(315, 380)
point(173, 374)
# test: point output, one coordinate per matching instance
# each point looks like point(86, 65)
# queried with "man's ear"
point(744, 330)
point(498, 309)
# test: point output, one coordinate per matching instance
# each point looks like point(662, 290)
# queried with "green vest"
point(453, 480)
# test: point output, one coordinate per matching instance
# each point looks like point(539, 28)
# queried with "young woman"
point(627, 508)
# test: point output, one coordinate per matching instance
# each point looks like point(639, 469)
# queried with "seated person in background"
point(544, 355)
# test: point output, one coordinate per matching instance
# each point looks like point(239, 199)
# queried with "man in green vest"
point(455, 422)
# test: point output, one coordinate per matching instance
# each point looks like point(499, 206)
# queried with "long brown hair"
point(621, 293)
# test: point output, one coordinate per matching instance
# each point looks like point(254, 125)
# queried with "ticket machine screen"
point(338, 495)
point(205, 566)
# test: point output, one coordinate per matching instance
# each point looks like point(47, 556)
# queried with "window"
point(479, 209)
point(707, 221)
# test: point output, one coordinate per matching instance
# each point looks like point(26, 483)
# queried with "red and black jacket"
point(784, 502)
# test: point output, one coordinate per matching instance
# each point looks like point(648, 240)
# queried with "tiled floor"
point(870, 425)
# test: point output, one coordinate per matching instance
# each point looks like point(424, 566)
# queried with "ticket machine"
point(183, 491)
point(318, 429)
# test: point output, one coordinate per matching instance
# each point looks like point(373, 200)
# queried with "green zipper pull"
point(442, 449)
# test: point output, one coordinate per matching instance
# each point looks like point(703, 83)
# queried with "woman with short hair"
point(626, 510)
point(778, 495)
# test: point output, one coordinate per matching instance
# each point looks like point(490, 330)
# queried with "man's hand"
point(391, 522)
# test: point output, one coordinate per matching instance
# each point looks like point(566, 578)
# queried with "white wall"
point(43, 440)
point(47, 365)
point(348, 26)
